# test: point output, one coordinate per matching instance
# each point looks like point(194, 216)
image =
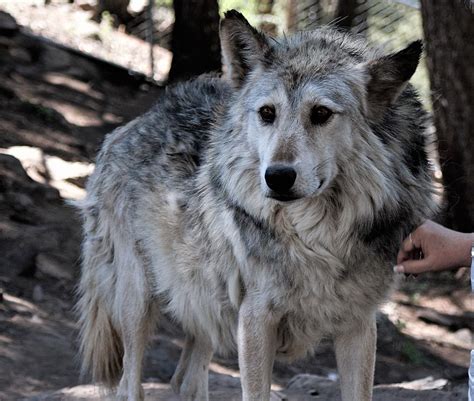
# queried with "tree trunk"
point(449, 31)
point(345, 13)
point(195, 43)
point(291, 15)
point(265, 6)
point(117, 8)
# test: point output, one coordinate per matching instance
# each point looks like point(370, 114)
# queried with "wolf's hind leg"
point(183, 362)
point(135, 330)
point(190, 379)
point(355, 355)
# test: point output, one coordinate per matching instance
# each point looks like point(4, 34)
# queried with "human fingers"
point(406, 249)
point(413, 266)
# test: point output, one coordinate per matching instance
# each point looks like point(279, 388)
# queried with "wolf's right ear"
point(243, 47)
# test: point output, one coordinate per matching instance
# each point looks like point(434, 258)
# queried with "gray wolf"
point(262, 210)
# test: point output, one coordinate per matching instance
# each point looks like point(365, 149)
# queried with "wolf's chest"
point(318, 281)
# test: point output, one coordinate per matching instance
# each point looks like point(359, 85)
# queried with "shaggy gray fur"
point(178, 216)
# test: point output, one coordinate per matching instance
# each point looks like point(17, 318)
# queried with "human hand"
point(438, 248)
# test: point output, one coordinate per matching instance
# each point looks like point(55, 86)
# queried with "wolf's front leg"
point(257, 332)
point(355, 355)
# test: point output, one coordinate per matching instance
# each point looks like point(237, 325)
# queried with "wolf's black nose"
point(280, 178)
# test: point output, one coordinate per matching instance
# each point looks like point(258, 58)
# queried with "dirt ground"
point(71, 24)
point(55, 108)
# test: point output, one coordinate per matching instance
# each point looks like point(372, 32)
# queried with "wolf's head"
point(307, 102)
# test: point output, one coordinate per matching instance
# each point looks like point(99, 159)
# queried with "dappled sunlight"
point(33, 341)
point(56, 78)
point(52, 170)
point(220, 372)
point(83, 34)
point(407, 319)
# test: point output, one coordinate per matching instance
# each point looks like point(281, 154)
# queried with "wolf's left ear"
point(243, 47)
point(389, 75)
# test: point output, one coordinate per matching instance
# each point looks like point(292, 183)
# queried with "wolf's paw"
point(191, 390)
point(192, 396)
point(127, 398)
point(138, 395)
point(176, 382)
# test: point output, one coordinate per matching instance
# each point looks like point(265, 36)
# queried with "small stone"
point(14, 167)
point(333, 376)
point(464, 335)
point(427, 383)
point(217, 381)
point(36, 319)
point(38, 293)
point(309, 382)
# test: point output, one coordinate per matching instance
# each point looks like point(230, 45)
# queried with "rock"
point(8, 25)
point(18, 185)
point(426, 389)
point(427, 383)
point(38, 293)
point(11, 169)
point(464, 336)
point(400, 394)
point(219, 381)
point(52, 266)
point(313, 385)
point(306, 381)
point(51, 173)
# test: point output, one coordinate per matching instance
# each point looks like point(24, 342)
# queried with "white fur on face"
point(314, 151)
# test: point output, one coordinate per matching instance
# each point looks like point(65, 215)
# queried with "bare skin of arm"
point(441, 249)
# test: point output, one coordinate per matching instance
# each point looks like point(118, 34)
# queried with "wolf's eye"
point(320, 114)
point(267, 114)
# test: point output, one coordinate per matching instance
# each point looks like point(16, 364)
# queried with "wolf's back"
point(169, 141)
